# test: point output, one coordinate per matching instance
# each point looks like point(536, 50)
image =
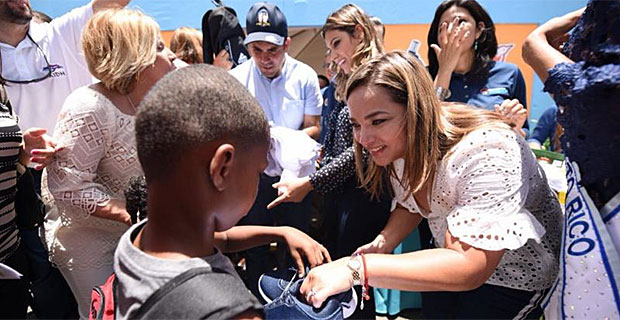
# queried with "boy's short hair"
point(193, 106)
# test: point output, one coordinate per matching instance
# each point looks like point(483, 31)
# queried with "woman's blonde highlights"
point(186, 43)
point(118, 45)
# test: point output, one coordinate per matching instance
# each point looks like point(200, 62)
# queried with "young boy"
point(202, 141)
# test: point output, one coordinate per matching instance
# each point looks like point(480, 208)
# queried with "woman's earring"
point(476, 45)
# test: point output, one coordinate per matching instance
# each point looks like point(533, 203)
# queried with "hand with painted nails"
point(38, 148)
point(514, 113)
point(450, 48)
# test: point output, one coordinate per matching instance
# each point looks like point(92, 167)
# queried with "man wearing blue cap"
point(288, 91)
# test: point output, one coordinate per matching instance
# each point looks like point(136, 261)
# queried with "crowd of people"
point(140, 163)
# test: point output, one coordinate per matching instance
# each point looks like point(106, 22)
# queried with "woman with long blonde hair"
point(495, 221)
point(352, 217)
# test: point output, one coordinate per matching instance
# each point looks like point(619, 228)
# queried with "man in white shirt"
point(41, 64)
point(288, 90)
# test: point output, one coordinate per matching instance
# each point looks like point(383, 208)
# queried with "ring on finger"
point(311, 294)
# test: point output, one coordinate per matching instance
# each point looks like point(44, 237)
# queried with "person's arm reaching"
point(400, 225)
point(541, 47)
point(38, 147)
point(300, 245)
point(457, 267)
point(311, 125)
point(108, 4)
point(313, 104)
point(326, 179)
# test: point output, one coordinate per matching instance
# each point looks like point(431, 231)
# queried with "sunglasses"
point(48, 67)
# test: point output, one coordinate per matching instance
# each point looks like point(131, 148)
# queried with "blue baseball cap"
point(265, 22)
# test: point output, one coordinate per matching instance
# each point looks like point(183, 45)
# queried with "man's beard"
point(12, 15)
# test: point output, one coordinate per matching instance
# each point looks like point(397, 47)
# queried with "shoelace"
point(288, 285)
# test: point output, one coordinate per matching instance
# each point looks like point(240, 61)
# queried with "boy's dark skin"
point(194, 206)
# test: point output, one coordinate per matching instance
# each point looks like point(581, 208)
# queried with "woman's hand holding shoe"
point(327, 280)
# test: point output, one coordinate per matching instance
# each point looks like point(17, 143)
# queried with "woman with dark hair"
point(462, 45)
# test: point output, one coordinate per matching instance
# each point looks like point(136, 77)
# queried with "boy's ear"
point(221, 166)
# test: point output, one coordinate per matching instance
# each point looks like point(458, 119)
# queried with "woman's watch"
point(355, 264)
point(442, 93)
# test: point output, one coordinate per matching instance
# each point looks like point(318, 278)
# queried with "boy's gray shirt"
point(139, 275)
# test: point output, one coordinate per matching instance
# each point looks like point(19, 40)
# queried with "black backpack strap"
point(207, 48)
point(200, 293)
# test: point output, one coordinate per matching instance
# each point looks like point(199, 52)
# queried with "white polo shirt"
point(38, 104)
point(286, 98)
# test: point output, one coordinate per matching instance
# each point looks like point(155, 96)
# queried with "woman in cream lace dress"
point(87, 179)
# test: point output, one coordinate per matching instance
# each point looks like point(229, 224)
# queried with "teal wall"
point(172, 14)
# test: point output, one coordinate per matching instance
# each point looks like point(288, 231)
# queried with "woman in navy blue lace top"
point(584, 79)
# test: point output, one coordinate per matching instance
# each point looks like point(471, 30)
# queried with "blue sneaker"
point(271, 284)
point(282, 294)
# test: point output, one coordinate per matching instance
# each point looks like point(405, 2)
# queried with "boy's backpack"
point(103, 300)
point(199, 293)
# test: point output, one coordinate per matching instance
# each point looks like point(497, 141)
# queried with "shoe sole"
point(348, 308)
point(260, 290)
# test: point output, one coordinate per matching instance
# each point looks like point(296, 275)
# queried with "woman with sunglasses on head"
point(495, 221)
point(462, 45)
point(352, 217)
point(85, 182)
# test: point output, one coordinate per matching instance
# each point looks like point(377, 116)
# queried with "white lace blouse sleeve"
point(491, 176)
point(85, 128)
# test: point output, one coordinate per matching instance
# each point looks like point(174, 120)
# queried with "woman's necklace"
point(133, 106)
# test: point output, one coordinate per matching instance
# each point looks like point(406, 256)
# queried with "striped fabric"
point(10, 141)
